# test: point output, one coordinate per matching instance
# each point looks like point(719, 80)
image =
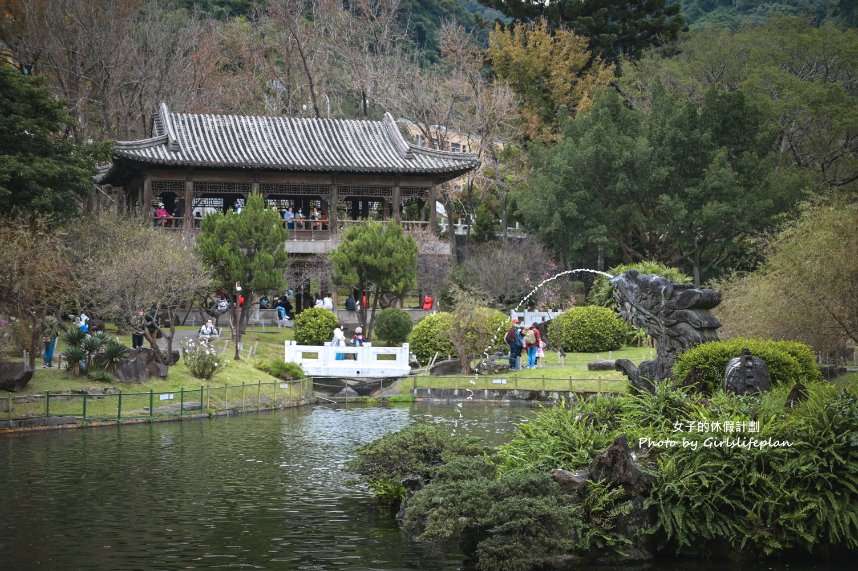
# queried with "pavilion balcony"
point(314, 236)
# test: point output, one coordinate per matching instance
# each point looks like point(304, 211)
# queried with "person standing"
point(537, 346)
point(289, 218)
point(138, 329)
point(512, 339)
point(530, 344)
point(50, 334)
point(339, 340)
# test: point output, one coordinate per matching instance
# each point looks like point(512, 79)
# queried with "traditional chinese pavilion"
point(348, 170)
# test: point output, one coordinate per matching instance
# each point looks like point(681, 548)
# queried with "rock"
point(446, 367)
point(347, 392)
point(156, 369)
point(131, 371)
point(494, 365)
point(796, 395)
point(571, 483)
point(616, 467)
point(413, 362)
point(14, 376)
point(694, 379)
point(746, 374)
point(412, 483)
point(94, 325)
point(389, 392)
point(601, 365)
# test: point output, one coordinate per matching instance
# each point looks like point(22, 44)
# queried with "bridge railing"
point(346, 361)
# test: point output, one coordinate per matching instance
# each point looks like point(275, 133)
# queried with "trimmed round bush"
point(315, 326)
point(788, 362)
point(392, 325)
point(588, 329)
point(431, 335)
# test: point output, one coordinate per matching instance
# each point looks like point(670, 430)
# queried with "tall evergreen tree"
point(247, 249)
point(40, 168)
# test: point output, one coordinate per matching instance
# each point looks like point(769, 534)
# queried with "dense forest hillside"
point(701, 14)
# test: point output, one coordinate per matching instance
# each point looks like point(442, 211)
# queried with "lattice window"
point(209, 202)
point(159, 187)
point(413, 193)
point(269, 189)
point(221, 188)
point(384, 192)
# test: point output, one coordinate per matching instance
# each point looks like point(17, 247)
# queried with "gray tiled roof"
point(286, 144)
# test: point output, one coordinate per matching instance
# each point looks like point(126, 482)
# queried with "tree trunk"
point(236, 335)
point(372, 314)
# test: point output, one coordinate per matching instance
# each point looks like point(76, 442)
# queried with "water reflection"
point(255, 491)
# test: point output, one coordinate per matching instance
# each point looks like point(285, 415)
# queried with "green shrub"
point(392, 325)
point(431, 335)
point(202, 360)
point(112, 352)
point(587, 329)
point(602, 294)
point(74, 355)
point(788, 362)
point(287, 371)
point(417, 449)
point(101, 376)
point(315, 326)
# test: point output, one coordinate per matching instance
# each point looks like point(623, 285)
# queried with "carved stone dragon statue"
point(675, 315)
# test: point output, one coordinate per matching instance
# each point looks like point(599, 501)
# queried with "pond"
point(258, 491)
point(264, 491)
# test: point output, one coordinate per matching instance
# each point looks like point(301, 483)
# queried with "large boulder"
point(136, 368)
point(446, 367)
point(14, 376)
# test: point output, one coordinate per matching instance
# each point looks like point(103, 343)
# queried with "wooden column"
point(146, 206)
point(254, 188)
point(188, 222)
point(332, 209)
point(433, 195)
point(397, 203)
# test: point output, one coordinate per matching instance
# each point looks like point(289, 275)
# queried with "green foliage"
point(558, 437)
point(281, 369)
point(431, 335)
point(672, 186)
point(602, 294)
point(74, 354)
point(807, 289)
point(375, 257)
point(41, 170)
point(101, 376)
point(485, 226)
point(788, 362)
point(72, 337)
point(703, 14)
point(248, 248)
point(315, 326)
point(415, 450)
point(615, 28)
point(753, 499)
point(112, 352)
point(587, 329)
point(202, 360)
point(393, 325)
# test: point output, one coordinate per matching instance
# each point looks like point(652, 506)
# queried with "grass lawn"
point(267, 344)
point(571, 375)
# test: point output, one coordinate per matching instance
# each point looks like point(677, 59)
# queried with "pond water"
point(261, 491)
point(258, 491)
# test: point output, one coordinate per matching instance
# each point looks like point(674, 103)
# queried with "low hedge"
point(287, 371)
point(431, 335)
point(315, 326)
point(588, 329)
point(788, 362)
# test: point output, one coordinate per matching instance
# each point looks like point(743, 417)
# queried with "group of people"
point(339, 340)
point(524, 339)
point(165, 219)
point(297, 220)
point(326, 302)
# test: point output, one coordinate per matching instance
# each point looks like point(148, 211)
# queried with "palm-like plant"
point(112, 352)
point(74, 355)
point(73, 337)
point(93, 344)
